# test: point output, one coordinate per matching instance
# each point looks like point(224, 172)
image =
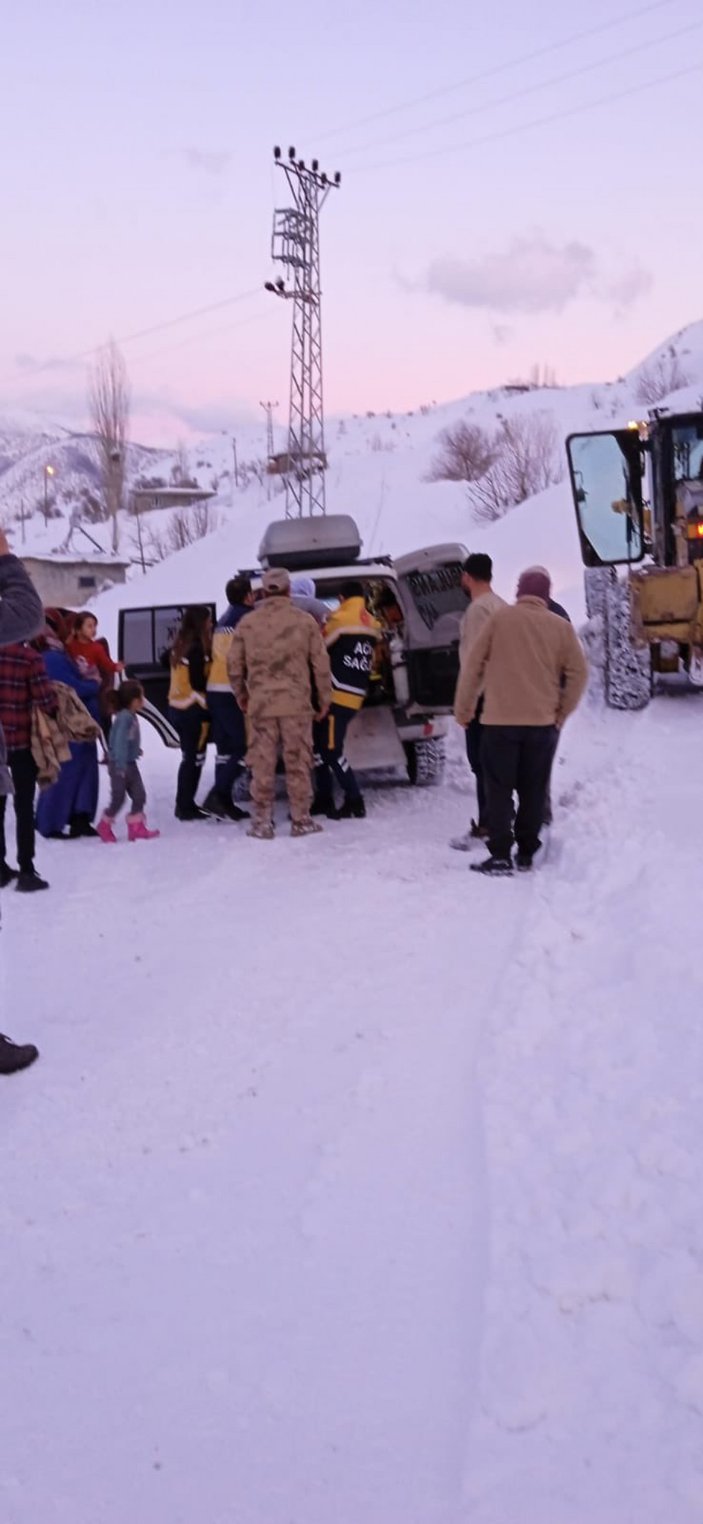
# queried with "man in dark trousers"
point(476, 580)
point(530, 667)
point(21, 618)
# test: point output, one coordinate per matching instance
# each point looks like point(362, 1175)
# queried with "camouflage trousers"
point(292, 736)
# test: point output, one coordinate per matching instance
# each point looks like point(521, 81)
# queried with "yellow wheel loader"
point(638, 495)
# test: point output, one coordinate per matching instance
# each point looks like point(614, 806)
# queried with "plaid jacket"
point(23, 683)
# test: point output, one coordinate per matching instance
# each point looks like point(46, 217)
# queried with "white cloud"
point(212, 161)
point(532, 275)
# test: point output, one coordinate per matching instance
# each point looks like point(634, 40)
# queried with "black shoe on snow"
point(493, 867)
point(352, 809)
point(15, 1056)
point(326, 807)
point(222, 809)
point(523, 862)
point(7, 875)
point(194, 813)
point(215, 806)
point(81, 825)
point(29, 883)
point(479, 832)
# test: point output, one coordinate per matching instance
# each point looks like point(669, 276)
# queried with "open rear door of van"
point(433, 601)
point(145, 637)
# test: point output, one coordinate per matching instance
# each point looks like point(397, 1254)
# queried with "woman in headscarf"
point(73, 800)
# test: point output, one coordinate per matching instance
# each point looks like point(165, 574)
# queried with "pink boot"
point(105, 831)
point(137, 829)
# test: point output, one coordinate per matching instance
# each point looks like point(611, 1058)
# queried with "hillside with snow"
point(379, 470)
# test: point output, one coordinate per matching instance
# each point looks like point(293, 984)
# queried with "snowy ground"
point(352, 1189)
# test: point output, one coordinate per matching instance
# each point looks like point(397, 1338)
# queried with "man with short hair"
point(476, 580)
point(529, 665)
point(228, 728)
point(21, 618)
point(280, 675)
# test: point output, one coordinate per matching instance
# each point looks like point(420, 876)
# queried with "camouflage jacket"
point(277, 662)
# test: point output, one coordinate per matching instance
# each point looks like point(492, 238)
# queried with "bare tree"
point(466, 453)
point(527, 460)
point(660, 377)
point(108, 402)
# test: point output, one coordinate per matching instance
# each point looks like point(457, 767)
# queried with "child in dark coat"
point(124, 752)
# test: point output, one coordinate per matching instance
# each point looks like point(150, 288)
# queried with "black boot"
point(7, 875)
point(493, 867)
point(15, 1056)
point(81, 825)
point(322, 806)
point(223, 809)
point(29, 883)
point(352, 809)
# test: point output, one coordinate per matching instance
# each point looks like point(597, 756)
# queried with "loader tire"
point(628, 667)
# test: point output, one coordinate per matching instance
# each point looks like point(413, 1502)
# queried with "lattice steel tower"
point(296, 244)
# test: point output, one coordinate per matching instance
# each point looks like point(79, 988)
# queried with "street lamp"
point(48, 471)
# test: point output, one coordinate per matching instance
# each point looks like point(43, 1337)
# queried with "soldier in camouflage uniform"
point(280, 674)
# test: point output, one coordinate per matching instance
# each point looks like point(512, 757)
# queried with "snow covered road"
point(260, 1266)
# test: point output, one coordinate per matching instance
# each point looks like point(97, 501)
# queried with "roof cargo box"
point(333, 540)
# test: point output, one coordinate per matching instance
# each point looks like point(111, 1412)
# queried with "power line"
point(141, 333)
point(541, 121)
point(500, 68)
point(516, 95)
point(196, 338)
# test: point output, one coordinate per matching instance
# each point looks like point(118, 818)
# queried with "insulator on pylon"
point(323, 178)
point(316, 165)
point(276, 153)
point(338, 178)
point(291, 153)
point(301, 163)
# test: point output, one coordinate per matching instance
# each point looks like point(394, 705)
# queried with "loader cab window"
point(687, 441)
point(607, 499)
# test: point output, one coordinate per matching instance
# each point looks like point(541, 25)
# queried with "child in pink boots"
point(124, 750)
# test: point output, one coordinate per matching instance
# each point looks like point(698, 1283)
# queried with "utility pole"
point(235, 469)
point(268, 408)
point(23, 519)
point(296, 244)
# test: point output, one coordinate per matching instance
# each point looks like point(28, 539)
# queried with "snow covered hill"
point(378, 471)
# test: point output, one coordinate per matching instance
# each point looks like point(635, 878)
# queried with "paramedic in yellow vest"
point(190, 664)
point(228, 728)
point(351, 636)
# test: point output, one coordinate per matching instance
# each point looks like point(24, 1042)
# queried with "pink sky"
point(465, 245)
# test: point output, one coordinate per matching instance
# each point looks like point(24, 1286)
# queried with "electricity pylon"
point(296, 244)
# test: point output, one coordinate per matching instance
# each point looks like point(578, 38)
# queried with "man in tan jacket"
point(280, 675)
point(530, 668)
point(476, 579)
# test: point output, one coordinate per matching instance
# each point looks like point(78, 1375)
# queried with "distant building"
point(147, 499)
point(66, 581)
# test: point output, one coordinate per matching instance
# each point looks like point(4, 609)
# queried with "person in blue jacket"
point(73, 799)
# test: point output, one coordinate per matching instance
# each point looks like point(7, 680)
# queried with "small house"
point(147, 499)
point(66, 581)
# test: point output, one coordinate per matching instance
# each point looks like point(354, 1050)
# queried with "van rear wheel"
point(425, 762)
